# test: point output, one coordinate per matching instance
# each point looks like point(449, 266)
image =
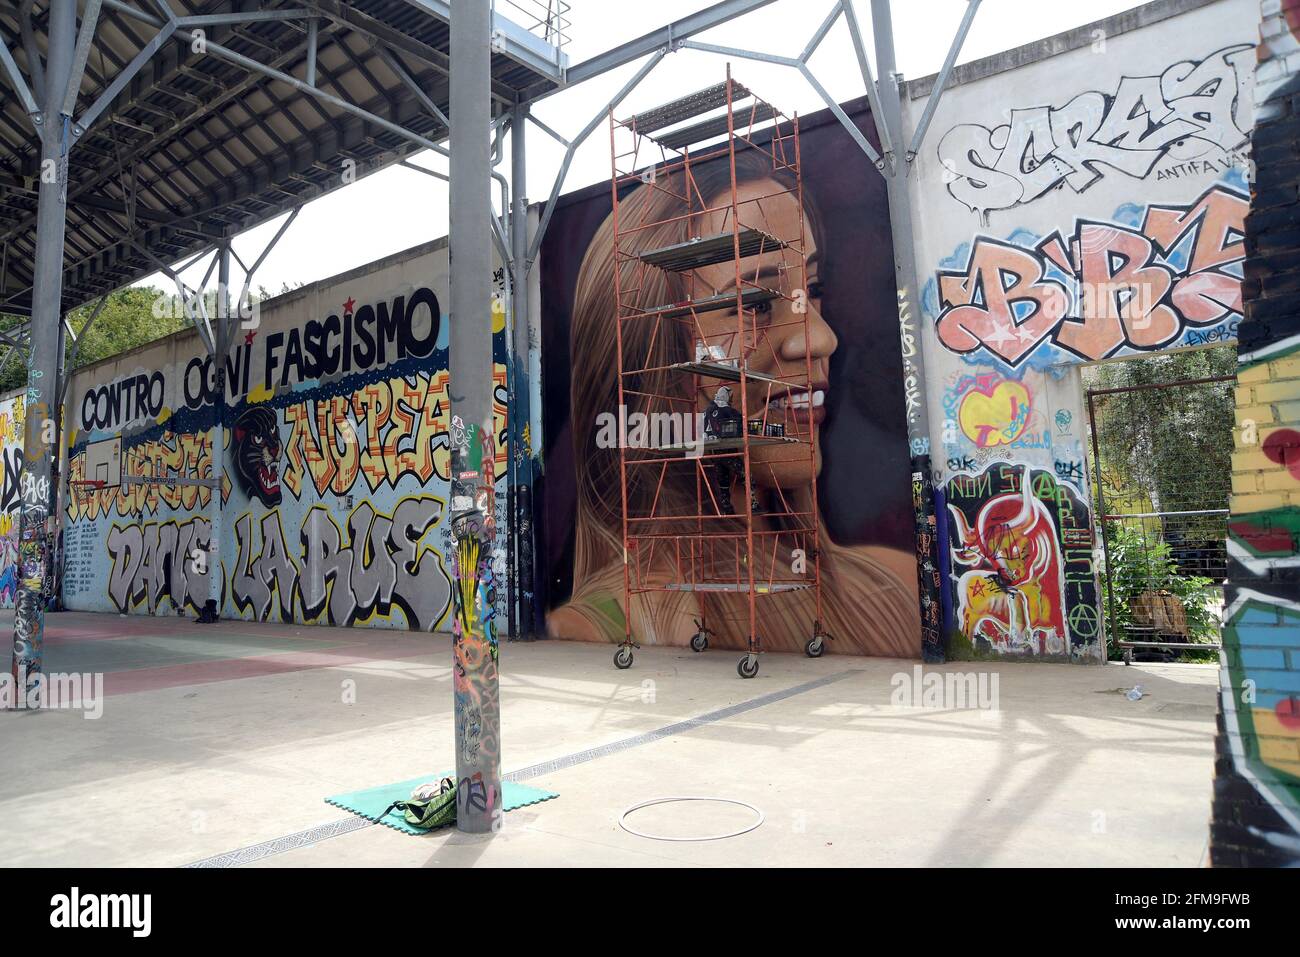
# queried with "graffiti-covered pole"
point(477, 704)
point(520, 434)
point(909, 330)
point(216, 580)
point(43, 362)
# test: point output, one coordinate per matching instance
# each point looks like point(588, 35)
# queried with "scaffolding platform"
point(714, 127)
point(686, 107)
point(711, 250)
point(720, 370)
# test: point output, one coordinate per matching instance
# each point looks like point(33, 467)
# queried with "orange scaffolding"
point(708, 286)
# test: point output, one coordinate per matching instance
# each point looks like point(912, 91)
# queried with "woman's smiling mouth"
point(798, 401)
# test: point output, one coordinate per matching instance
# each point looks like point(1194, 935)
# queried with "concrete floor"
point(226, 737)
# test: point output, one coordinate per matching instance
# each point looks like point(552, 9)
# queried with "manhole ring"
point(622, 820)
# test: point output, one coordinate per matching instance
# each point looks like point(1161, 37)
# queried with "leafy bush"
point(1137, 566)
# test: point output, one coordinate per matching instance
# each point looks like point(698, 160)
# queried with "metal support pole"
point(216, 580)
point(477, 692)
point(313, 34)
point(905, 278)
point(39, 445)
point(520, 434)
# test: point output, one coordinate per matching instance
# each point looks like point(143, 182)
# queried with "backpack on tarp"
point(426, 809)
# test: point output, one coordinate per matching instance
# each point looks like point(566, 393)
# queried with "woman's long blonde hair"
point(865, 606)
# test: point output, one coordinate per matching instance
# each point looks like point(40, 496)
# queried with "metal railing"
point(547, 19)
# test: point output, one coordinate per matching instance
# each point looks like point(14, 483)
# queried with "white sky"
point(399, 208)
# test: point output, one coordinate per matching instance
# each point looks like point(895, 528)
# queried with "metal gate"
point(1162, 477)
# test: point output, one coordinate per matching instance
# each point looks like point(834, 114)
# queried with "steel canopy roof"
point(197, 146)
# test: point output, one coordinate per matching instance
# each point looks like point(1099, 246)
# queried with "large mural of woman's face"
point(849, 348)
point(780, 348)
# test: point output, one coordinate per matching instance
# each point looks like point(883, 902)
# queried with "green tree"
point(1174, 445)
point(1164, 450)
point(127, 320)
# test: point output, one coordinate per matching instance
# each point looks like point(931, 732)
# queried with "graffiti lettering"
point(1106, 288)
point(1189, 110)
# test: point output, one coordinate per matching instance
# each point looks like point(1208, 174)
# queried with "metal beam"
point(89, 19)
point(662, 39)
point(257, 263)
point(873, 92)
point(249, 64)
point(743, 54)
point(820, 35)
point(313, 40)
point(843, 117)
point(548, 131)
point(416, 90)
point(932, 103)
point(20, 86)
point(102, 102)
point(628, 87)
point(233, 19)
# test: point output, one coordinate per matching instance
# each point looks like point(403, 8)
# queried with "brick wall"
point(1257, 783)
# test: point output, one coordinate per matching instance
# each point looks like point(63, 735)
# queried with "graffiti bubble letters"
point(380, 567)
point(1189, 111)
point(151, 563)
point(1107, 287)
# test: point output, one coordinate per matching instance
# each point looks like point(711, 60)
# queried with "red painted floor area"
point(322, 647)
point(256, 666)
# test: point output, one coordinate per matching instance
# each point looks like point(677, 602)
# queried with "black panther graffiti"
point(257, 449)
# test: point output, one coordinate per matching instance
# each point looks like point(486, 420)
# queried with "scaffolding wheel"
point(748, 666)
point(816, 646)
point(623, 658)
point(699, 641)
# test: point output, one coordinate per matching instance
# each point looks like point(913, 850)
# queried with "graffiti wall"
point(1074, 206)
point(864, 482)
point(1257, 784)
point(333, 464)
point(11, 464)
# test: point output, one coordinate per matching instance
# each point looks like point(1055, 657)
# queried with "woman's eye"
point(815, 289)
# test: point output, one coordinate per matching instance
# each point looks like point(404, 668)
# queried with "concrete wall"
point(334, 468)
point(1257, 787)
point(1076, 200)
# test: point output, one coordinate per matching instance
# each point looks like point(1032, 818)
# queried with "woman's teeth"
point(799, 400)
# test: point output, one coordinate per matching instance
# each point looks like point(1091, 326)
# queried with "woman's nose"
point(819, 342)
